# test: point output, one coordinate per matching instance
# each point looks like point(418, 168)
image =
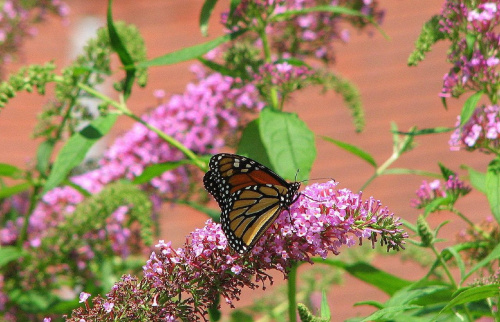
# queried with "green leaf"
point(469, 107)
point(494, 255)
point(384, 281)
point(411, 171)
point(192, 52)
point(436, 203)
point(325, 308)
point(219, 68)
point(473, 294)
point(251, 145)
point(11, 171)
point(477, 179)
point(445, 171)
point(352, 149)
point(421, 293)
point(390, 313)
point(289, 143)
point(9, 254)
point(493, 187)
point(73, 152)
point(206, 12)
point(158, 169)
point(43, 154)
point(33, 301)
point(454, 251)
point(434, 130)
point(327, 8)
point(14, 190)
point(121, 50)
point(470, 40)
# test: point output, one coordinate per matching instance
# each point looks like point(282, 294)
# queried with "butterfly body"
point(250, 196)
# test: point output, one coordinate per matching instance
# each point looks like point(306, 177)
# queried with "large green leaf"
point(251, 145)
point(352, 149)
point(75, 149)
point(192, 52)
point(493, 187)
point(289, 143)
point(469, 107)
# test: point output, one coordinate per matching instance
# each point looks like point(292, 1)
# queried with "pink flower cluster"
point(16, 22)
point(181, 283)
point(202, 119)
point(285, 76)
point(309, 34)
point(481, 131)
point(429, 192)
point(475, 65)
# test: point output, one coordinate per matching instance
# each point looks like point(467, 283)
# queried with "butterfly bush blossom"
point(208, 112)
point(474, 66)
point(182, 283)
point(17, 19)
point(430, 191)
point(481, 131)
point(308, 34)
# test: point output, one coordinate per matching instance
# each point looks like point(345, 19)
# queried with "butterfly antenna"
point(315, 179)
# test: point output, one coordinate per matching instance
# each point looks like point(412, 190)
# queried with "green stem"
point(380, 170)
point(292, 292)
point(445, 267)
point(120, 106)
point(267, 58)
point(470, 223)
point(23, 234)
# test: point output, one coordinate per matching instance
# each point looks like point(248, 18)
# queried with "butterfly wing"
point(250, 196)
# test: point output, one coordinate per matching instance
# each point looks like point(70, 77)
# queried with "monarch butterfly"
point(250, 196)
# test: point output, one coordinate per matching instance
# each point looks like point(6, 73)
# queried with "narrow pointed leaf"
point(325, 308)
point(352, 149)
point(14, 190)
point(158, 169)
point(411, 171)
point(469, 107)
point(192, 52)
point(473, 294)
point(9, 170)
point(121, 50)
point(493, 187)
point(494, 255)
point(206, 12)
point(384, 281)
